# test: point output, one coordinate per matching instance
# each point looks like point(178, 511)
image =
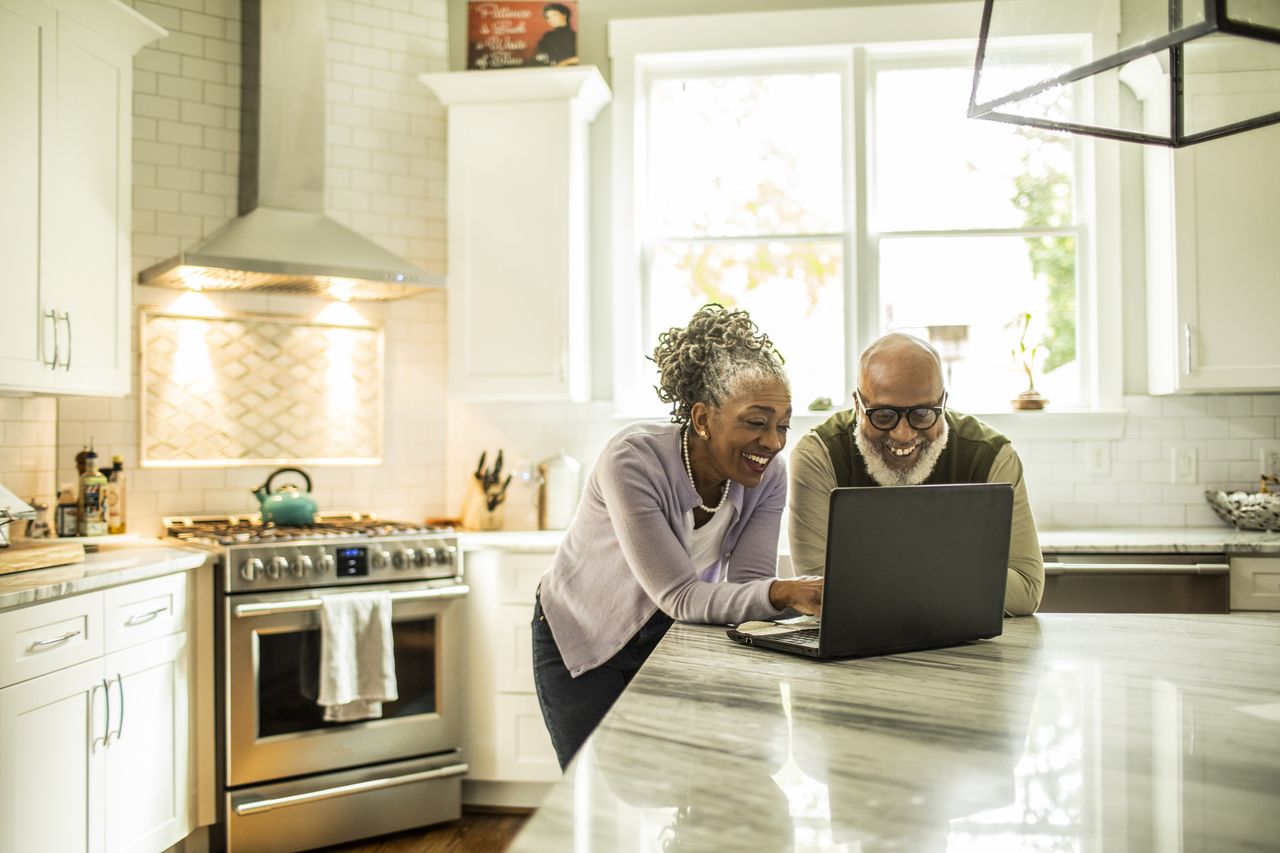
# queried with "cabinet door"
point(26, 99)
point(88, 256)
point(51, 774)
point(147, 786)
point(524, 749)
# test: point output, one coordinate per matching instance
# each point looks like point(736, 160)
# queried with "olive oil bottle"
point(92, 510)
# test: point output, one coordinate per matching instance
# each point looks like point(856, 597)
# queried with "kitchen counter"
point(511, 540)
point(1116, 732)
point(1160, 540)
point(111, 566)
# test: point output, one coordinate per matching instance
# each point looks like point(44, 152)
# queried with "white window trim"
point(636, 45)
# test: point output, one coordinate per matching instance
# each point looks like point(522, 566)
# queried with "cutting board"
point(21, 556)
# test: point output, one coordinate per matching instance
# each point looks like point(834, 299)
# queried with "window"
point(839, 193)
point(974, 233)
point(744, 205)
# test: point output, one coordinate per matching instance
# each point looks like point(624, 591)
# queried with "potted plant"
point(1030, 399)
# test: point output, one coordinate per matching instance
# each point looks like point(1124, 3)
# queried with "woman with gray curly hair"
point(678, 521)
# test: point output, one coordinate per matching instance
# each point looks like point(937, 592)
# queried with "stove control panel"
point(300, 563)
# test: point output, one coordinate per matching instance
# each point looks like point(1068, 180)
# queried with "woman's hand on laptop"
point(804, 595)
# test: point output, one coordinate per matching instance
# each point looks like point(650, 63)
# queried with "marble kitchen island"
point(1070, 732)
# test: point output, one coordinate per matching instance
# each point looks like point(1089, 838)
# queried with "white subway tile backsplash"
point(1252, 427)
point(1164, 516)
point(1230, 405)
point(1266, 404)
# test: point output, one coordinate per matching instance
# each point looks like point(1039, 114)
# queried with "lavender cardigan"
point(625, 555)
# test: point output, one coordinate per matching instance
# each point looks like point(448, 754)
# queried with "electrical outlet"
point(1098, 458)
point(1271, 462)
point(1184, 466)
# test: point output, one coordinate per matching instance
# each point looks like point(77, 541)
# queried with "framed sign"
point(521, 33)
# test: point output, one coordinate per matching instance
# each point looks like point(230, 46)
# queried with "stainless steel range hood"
point(282, 241)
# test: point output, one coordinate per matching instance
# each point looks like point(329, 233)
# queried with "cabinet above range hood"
point(282, 241)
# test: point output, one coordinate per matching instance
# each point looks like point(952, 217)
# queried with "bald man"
point(900, 433)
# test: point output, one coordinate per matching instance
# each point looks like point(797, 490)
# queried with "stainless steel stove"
point(287, 778)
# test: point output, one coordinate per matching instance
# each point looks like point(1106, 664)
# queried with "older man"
point(900, 433)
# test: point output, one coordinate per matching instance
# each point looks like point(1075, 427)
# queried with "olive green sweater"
point(827, 457)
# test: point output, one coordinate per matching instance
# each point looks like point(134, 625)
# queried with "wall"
point(385, 179)
point(27, 431)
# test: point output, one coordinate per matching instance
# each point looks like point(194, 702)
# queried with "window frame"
point(643, 46)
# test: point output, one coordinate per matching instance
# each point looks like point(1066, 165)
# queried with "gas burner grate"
point(234, 530)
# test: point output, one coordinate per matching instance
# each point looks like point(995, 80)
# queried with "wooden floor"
point(474, 832)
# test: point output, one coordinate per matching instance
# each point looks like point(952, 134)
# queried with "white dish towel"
point(357, 659)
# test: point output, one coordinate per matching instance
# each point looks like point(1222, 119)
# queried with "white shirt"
point(705, 543)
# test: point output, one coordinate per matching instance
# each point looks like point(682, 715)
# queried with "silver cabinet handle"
point(66, 317)
point(52, 316)
point(1186, 340)
point(120, 722)
point(142, 618)
point(259, 806)
point(302, 605)
point(53, 641)
point(106, 730)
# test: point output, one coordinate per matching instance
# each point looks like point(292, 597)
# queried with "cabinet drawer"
point(1255, 583)
point(47, 637)
point(145, 610)
point(520, 575)
point(524, 748)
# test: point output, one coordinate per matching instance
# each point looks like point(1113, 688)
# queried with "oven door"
point(275, 728)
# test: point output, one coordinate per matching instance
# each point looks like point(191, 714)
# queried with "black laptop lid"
point(914, 566)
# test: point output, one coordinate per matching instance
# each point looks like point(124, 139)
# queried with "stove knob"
point(424, 557)
point(327, 564)
point(302, 566)
point(381, 559)
point(406, 558)
point(430, 556)
point(450, 554)
point(277, 567)
point(250, 569)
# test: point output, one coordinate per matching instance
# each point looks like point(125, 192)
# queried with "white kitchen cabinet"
point(1255, 582)
point(505, 742)
point(66, 92)
point(97, 752)
point(518, 231)
point(1212, 248)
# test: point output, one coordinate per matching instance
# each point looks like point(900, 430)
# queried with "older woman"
point(678, 521)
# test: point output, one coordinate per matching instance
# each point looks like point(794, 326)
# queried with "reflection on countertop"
point(1069, 732)
point(112, 565)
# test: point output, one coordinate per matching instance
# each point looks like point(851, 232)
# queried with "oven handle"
point(1052, 568)
point(259, 806)
point(304, 604)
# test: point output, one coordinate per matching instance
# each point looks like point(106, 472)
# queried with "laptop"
point(908, 567)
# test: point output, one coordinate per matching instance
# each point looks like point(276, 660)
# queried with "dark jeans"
point(573, 707)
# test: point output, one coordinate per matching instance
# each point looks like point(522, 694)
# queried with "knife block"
point(476, 514)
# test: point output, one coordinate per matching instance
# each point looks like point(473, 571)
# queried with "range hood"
point(282, 241)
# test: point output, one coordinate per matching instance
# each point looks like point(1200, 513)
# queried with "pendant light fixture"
point(1201, 69)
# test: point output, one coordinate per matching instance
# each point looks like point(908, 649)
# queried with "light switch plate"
point(1185, 467)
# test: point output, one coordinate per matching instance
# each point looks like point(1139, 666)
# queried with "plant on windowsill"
point(1030, 399)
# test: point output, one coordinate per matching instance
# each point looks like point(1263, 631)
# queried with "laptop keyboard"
point(802, 637)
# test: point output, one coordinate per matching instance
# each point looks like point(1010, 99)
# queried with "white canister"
point(557, 491)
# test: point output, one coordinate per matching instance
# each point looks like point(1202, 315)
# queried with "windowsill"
point(1091, 424)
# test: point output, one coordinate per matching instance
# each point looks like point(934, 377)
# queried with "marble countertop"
point(1070, 731)
point(1100, 540)
point(112, 565)
point(1160, 540)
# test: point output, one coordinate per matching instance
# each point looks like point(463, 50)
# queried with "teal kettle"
point(288, 506)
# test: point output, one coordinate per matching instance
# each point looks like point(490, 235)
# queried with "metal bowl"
point(1246, 510)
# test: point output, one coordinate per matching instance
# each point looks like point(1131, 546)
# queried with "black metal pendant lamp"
point(1202, 69)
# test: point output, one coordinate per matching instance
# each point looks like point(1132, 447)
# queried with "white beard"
point(912, 476)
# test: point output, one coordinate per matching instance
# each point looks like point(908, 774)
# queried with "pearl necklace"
point(688, 469)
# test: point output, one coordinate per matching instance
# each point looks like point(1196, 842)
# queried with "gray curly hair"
point(712, 358)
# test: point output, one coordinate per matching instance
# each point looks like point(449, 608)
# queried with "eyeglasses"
point(885, 418)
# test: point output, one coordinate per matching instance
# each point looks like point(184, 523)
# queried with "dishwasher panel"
point(1135, 583)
